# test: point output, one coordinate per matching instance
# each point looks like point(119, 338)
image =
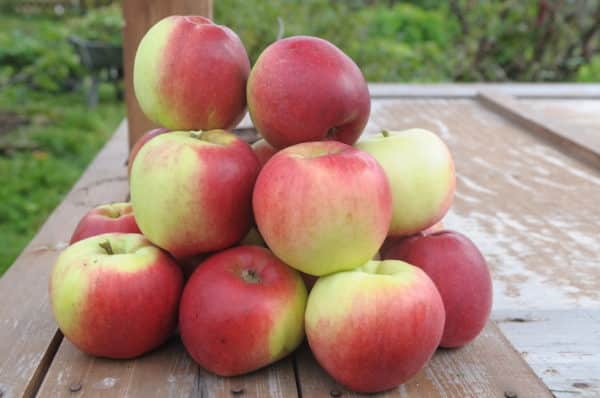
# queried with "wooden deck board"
point(487, 367)
point(28, 334)
point(529, 206)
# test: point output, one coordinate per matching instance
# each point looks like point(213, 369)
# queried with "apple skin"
point(421, 173)
point(306, 89)
point(114, 217)
point(242, 309)
point(115, 306)
point(263, 150)
point(191, 74)
point(375, 327)
point(140, 142)
point(322, 207)
point(391, 241)
point(192, 191)
point(461, 275)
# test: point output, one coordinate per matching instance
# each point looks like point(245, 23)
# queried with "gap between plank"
point(573, 144)
point(42, 370)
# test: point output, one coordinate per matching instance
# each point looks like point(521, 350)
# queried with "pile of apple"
point(324, 208)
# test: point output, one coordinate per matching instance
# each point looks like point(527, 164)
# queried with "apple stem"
point(385, 132)
point(250, 276)
point(196, 134)
point(105, 244)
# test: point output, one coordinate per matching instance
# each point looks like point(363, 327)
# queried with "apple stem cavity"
point(196, 134)
point(105, 244)
point(250, 276)
point(385, 132)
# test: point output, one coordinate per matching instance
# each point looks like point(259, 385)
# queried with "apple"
point(191, 74)
point(306, 89)
point(115, 295)
point(461, 275)
point(192, 191)
point(375, 327)
point(323, 206)
point(421, 173)
point(242, 309)
point(391, 241)
point(140, 142)
point(263, 150)
point(114, 217)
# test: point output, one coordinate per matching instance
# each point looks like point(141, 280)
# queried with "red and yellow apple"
point(115, 295)
point(191, 74)
point(140, 142)
point(322, 207)
point(114, 217)
point(192, 191)
point(421, 174)
point(306, 89)
point(461, 275)
point(263, 150)
point(375, 327)
point(242, 309)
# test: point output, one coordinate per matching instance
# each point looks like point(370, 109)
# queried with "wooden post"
point(139, 16)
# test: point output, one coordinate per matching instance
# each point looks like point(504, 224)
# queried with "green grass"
point(63, 137)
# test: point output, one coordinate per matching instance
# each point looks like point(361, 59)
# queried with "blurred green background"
point(50, 127)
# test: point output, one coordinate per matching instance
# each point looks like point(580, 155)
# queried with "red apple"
point(263, 150)
point(461, 275)
point(115, 295)
point(322, 207)
point(191, 74)
point(114, 217)
point(374, 327)
point(306, 89)
point(192, 191)
point(242, 309)
point(140, 142)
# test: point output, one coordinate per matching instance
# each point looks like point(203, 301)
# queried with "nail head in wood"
point(75, 387)
point(237, 390)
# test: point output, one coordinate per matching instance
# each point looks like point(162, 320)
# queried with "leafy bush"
point(103, 24)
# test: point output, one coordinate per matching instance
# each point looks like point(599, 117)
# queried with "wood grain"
point(583, 144)
point(560, 345)
point(28, 333)
point(470, 90)
point(139, 16)
point(166, 372)
point(488, 367)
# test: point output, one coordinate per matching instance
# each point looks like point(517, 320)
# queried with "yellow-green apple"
point(322, 207)
point(306, 89)
point(192, 191)
point(191, 74)
point(461, 275)
point(115, 295)
point(114, 217)
point(140, 142)
point(375, 327)
point(421, 173)
point(242, 309)
point(263, 150)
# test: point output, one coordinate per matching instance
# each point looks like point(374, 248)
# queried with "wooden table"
point(528, 193)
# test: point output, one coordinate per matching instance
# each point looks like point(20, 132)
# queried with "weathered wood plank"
point(165, 372)
point(583, 144)
point(139, 16)
point(28, 334)
point(469, 90)
point(533, 212)
point(561, 345)
point(488, 367)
